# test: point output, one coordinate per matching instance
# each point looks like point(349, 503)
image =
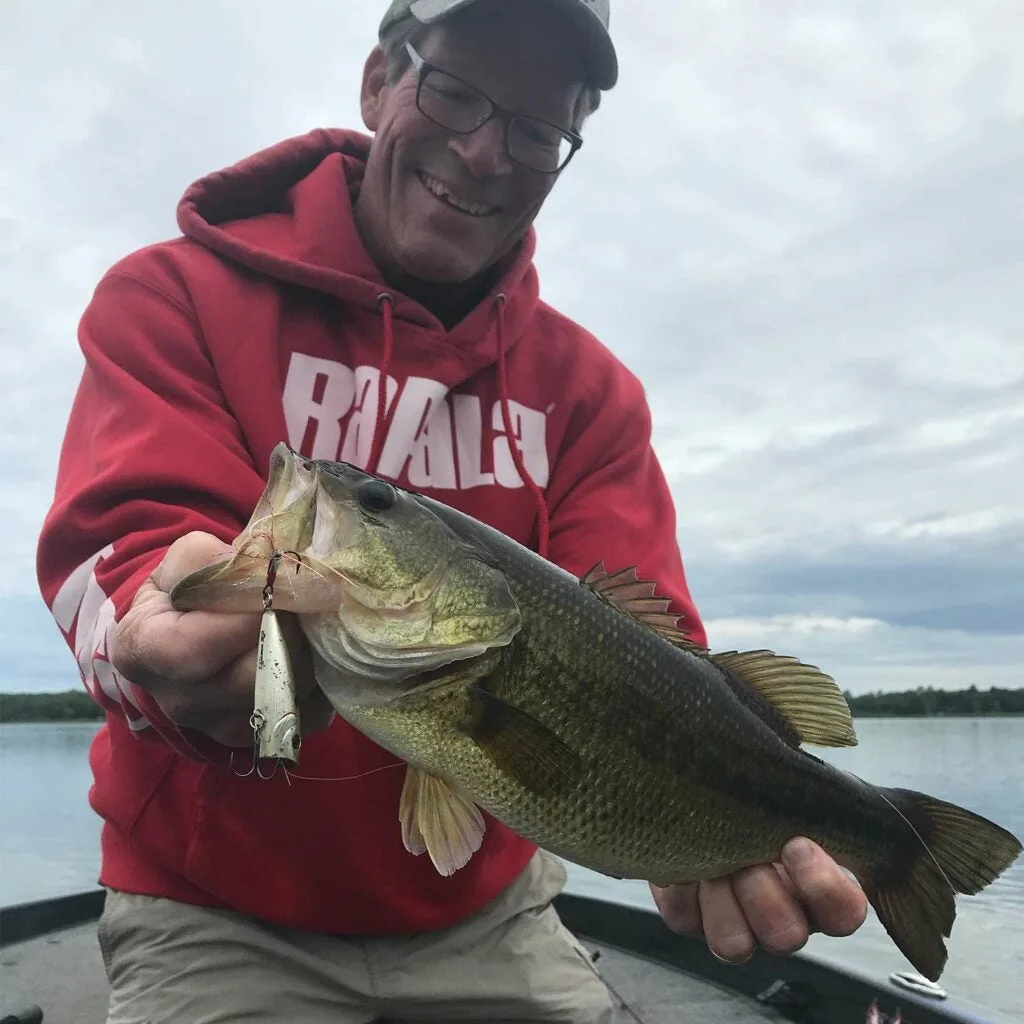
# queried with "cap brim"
point(601, 60)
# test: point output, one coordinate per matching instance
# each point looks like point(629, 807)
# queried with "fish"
point(575, 710)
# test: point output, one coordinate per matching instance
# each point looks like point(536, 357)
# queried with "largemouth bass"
point(575, 711)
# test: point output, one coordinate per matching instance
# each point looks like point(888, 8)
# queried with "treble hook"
point(256, 723)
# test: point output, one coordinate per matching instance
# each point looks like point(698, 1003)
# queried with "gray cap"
point(590, 18)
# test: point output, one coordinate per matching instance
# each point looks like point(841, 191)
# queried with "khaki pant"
point(512, 961)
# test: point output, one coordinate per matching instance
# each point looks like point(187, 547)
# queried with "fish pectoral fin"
point(439, 821)
point(806, 697)
point(519, 745)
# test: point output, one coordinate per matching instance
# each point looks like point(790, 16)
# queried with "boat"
point(51, 972)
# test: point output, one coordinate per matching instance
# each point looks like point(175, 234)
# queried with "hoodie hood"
point(287, 212)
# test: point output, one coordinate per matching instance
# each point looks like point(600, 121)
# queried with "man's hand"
point(776, 906)
point(200, 666)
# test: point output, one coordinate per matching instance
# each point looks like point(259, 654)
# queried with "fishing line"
point(301, 563)
point(910, 825)
point(289, 775)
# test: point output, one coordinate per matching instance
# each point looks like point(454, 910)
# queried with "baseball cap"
point(589, 18)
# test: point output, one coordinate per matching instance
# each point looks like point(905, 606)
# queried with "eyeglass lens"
point(459, 107)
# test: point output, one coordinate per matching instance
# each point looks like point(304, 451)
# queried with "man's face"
point(442, 207)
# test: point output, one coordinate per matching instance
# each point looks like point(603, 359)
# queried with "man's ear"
point(371, 96)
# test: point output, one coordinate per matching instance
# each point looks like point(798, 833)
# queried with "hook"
point(256, 723)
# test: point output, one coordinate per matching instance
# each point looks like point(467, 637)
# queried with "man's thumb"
point(187, 554)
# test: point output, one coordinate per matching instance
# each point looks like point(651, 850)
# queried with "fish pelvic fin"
point(809, 700)
point(949, 850)
point(439, 821)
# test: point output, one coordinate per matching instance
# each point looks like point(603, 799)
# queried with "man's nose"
point(483, 151)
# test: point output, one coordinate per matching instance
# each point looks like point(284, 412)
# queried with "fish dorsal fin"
point(812, 705)
point(809, 700)
point(439, 821)
point(635, 597)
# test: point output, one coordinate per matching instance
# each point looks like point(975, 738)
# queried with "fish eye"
point(377, 496)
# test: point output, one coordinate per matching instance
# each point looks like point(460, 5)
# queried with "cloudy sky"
point(802, 229)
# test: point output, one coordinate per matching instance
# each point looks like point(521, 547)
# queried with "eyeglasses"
point(462, 108)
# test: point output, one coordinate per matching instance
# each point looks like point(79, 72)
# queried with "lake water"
point(49, 836)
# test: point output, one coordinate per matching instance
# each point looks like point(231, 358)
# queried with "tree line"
point(78, 706)
point(926, 703)
point(69, 706)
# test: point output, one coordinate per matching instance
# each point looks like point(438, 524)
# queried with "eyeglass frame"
point(424, 67)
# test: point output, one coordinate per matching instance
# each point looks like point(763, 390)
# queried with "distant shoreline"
point(77, 707)
point(71, 706)
point(939, 714)
point(52, 721)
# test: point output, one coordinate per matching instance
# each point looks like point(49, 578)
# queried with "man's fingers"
point(835, 903)
point(771, 910)
point(315, 712)
point(202, 645)
point(222, 704)
point(153, 643)
point(218, 705)
point(231, 726)
point(679, 907)
point(728, 934)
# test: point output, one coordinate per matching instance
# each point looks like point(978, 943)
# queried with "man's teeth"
point(443, 192)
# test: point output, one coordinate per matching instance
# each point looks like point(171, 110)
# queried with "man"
point(372, 300)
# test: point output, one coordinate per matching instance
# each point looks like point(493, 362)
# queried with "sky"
point(800, 224)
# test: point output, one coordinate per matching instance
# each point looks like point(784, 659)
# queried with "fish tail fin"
point(949, 850)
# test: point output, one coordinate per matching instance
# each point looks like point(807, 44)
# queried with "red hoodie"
point(264, 323)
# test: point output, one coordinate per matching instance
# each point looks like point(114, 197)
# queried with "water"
point(49, 835)
point(49, 838)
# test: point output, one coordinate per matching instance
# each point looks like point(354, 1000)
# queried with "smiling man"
point(456, 175)
point(369, 298)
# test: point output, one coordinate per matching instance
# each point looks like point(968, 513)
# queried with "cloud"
point(799, 226)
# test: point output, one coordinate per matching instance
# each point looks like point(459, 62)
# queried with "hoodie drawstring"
point(543, 518)
point(386, 301)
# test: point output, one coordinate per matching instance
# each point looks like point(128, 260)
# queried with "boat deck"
point(63, 974)
point(50, 959)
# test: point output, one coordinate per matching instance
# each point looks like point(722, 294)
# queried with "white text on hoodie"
point(439, 437)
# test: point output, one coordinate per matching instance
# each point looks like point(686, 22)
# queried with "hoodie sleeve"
point(610, 501)
point(150, 453)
